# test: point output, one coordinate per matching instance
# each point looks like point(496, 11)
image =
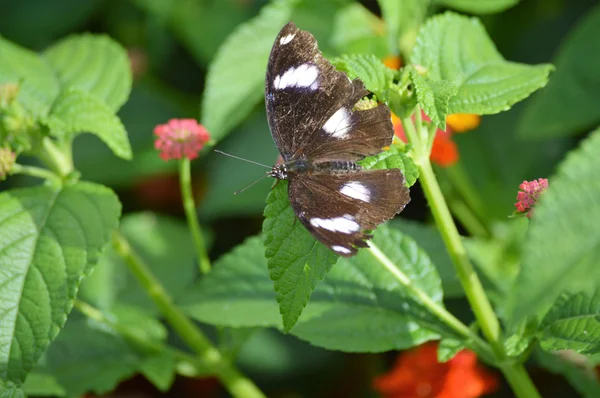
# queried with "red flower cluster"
point(444, 151)
point(529, 194)
point(179, 138)
point(418, 374)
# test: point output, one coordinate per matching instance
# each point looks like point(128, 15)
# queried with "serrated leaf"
point(297, 261)
point(10, 390)
point(94, 64)
point(38, 85)
point(573, 323)
point(569, 104)
point(562, 248)
point(374, 74)
point(76, 111)
point(458, 50)
point(357, 307)
point(230, 95)
point(393, 158)
point(165, 245)
point(160, 370)
point(434, 96)
point(50, 237)
point(478, 6)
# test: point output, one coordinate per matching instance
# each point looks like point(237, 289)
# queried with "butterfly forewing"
point(310, 105)
point(340, 209)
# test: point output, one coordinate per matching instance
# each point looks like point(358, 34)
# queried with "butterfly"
point(320, 135)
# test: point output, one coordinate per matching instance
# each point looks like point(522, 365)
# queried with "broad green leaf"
point(434, 96)
point(297, 261)
point(568, 105)
point(478, 6)
point(166, 247)
point(76, 111)
point(40, 384)
point(38, 83)
point(10, 390)
point(576, 368)
point(93, 64)
point(357, 307)
point(562, 247)
point(402, 19)
point(393, 158)
point(50, 238)
point(458, 50)
point(357, 30)
point(235, 80)
point(573, 323)
point(374, 74)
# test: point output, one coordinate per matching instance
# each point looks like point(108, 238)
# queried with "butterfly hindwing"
point(310, 105)
point(340, 209)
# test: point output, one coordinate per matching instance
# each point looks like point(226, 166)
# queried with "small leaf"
point(76, 111)
point(434, 96)
point(457, 49)
point(393, 158)
point(93, 64)
point(38, 85)
point(297, 261)
point(231, 95)
point(10, 390)
point(374, 74)
point(562, 247)
point(40, 384)
point(478, 6)
point(573, 323)
point(576, 368)
point(50, 238)
point(568, 105)
point(160, 370)
point(448, 348)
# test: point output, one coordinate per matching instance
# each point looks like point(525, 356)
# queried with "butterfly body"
point(321, 137)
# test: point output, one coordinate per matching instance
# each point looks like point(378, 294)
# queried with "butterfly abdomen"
point(338, 167)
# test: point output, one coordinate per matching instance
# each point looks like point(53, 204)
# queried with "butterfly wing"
point(340, 209)
point(310, 105)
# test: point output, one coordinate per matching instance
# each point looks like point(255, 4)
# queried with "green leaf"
point(374, 74)
point(568, 105)
point(160, 370)
point(448, 348)
point(478, 6)
point(94, 64)
point(50, 238)
point(38, 84)
point(434, 96)
point(402, 19)
point(166, 247)
point(357, 307)
point(576, 368)
point(393, 158)
point(297, 261)
point(358, 31)
point(42, 385)
point(231, 93)
point(10, 390)
point(458, 50)
point(76, 111)
point(573, 323)
point(562, 248)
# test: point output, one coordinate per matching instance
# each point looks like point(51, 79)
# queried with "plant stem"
point(462, 183)
point(55, 159)
point(467, 218)
point(34, 172)
point(232, 379)
point(446, 317)
point(185, 182)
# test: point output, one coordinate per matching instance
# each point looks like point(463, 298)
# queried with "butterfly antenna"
point(243, 189)
point(245, 160)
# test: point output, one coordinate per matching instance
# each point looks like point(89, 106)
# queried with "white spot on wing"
point(344, 224)
point(304, 75)
point(341, 249)
point(286, 39)
point(357, 190)
point(338, 125)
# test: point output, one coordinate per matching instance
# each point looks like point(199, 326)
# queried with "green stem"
point(185, 182)
point(466, 217)
point(237, 384)
point(34, 172)
point(56, 159)
point(462, 183)
point(446, 317)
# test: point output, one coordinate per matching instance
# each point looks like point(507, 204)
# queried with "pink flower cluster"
point(529, 194)
point(179, 138)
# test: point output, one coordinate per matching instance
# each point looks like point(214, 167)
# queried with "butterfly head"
point(279, 171)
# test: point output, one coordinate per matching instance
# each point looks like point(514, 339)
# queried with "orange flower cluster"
point(417, 374)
